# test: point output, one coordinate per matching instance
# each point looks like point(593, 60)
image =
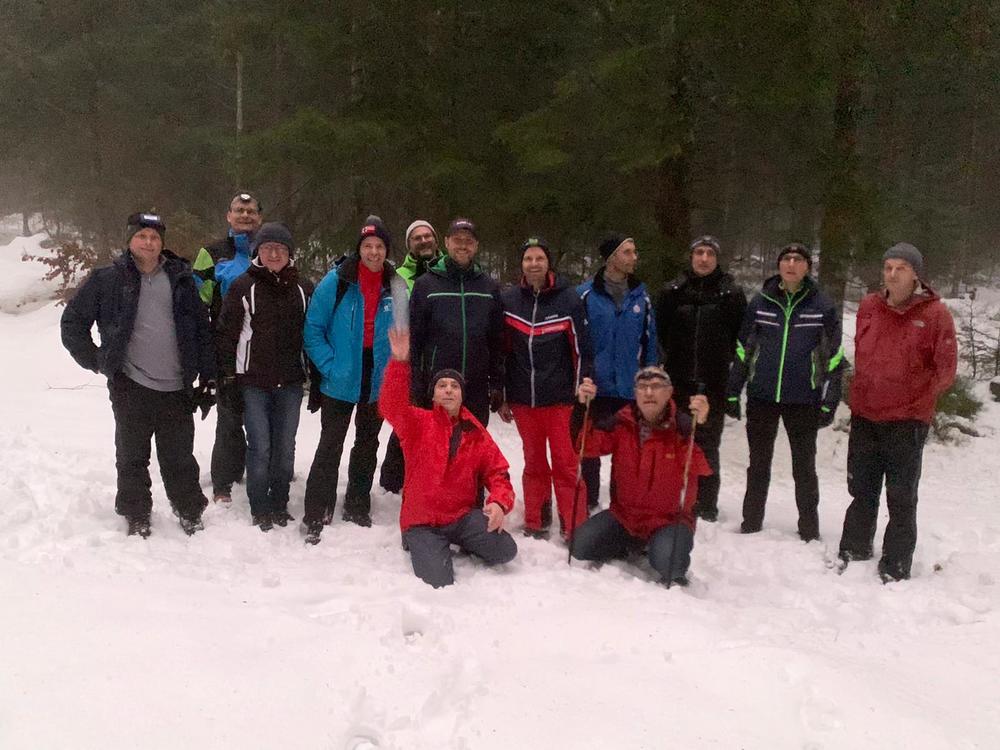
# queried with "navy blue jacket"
point(789, 347)
point(547, 350)
point(623, 339)
point(110, 298)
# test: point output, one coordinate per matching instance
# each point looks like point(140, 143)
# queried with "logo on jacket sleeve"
point(919, 323)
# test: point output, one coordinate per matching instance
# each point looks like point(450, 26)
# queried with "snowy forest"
point(845, 124)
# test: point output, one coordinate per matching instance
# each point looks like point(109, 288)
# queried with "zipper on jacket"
point(787, 309)
point(531, 353)
point(465, 332)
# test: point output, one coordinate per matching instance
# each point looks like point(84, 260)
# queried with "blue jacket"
point(622, 339)
point(335, 328)
point(789, 348)
point(228, 270)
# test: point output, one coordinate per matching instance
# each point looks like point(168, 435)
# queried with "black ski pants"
point(143, 415)
point(335, 419)
point(708, 436)
point(230, 449)
point(801, 426)
point(601, 410)
point(430, 547)
point(892, 451)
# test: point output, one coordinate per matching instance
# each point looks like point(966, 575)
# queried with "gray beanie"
point(906, 251)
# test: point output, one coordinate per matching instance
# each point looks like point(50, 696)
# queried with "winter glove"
point(230, 395)
point(315, 399)
point(496, 400)
point(733, 407)
point(203, 398)
point(825, 416)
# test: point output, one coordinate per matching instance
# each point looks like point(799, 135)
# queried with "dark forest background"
point(845, 124)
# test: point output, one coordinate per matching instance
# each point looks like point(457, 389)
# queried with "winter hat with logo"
point(446, 373)
point(536, 241)
point(374, 228)
point(652, 372)
point(461, 224)
point(706, 240)
point(906, 251)
point(273, 231)
point(799, 249)
point(142, 220)
point(610, 244)
point(414, 227)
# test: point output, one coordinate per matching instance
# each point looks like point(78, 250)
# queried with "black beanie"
point(273, 231)
point(799, 249)
point(536, 241)
point(706, 240)
point(611, 243)
point(142, 220)
point(374, 228)
point(446, 373)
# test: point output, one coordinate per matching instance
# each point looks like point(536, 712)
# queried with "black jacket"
point(110, 298)
point(546, 345)
point(259, 333)
point(456, 321)
point(697, 321)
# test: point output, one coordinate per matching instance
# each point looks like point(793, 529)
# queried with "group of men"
point(588, 371)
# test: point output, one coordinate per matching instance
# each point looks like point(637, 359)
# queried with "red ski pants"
point(544, 427)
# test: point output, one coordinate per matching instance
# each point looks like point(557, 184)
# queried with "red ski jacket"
point(648, 479)
point(438, 489)
point(904, 358)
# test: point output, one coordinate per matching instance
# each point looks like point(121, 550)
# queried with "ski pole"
point(680, 503)
point(576, 485)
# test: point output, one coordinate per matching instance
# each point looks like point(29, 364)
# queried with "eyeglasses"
point(650, 385)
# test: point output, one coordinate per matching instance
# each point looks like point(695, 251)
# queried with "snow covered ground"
point(238, 639)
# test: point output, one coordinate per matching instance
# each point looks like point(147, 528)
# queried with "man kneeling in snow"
point(648, 441)
point(447, 453)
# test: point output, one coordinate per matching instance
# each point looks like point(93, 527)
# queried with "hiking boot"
point(190, 524)
point(542, 534)
point(891, 572)
point(262, 521)
point(313, 532)
point(139, 525)
point(222, 497)
point(281, 518)
point(707, 514)
point(746, 528)
point(360, 517)
point(682, 581)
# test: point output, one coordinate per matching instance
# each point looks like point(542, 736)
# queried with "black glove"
point(203, 398)
point(496, 400)
point(230, 396)
point(825, 416)
point(733, 407)
point(315, 399)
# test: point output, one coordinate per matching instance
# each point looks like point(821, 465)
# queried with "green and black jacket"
point(456, 321)
point(789, 347)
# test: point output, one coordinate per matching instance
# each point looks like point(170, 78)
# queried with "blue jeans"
point(602, 537)
point(271, 417)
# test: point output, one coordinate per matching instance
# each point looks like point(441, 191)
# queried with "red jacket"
point(904, 358)
point(648, 480)
point(438, 490)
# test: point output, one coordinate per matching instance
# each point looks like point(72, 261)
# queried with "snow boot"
point(313, 532)
point(263, 521)
point(139, 525)
point(706, 513)
point(281, 518)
